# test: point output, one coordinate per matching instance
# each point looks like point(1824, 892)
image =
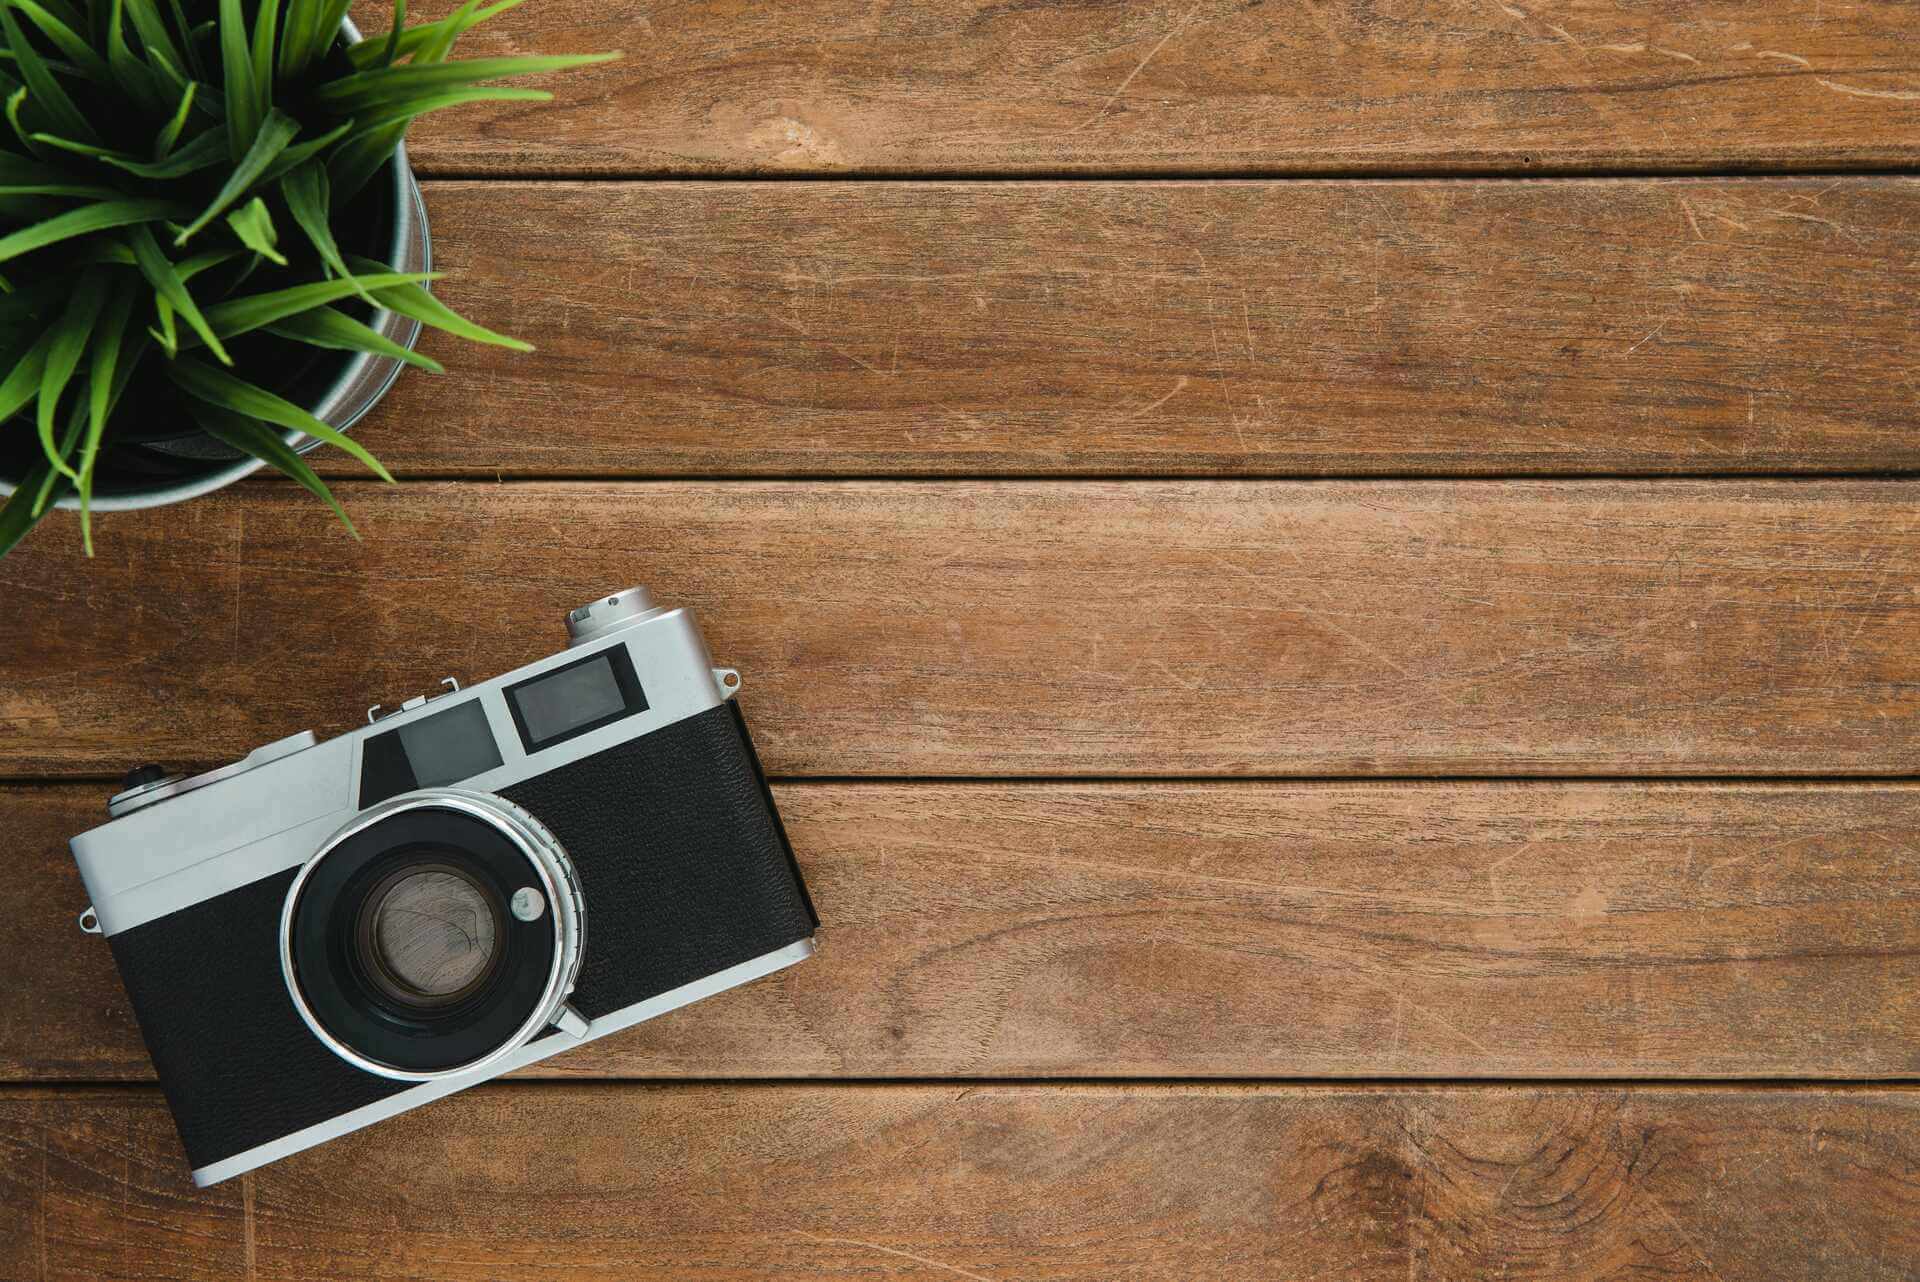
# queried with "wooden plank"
point(996, 1182)
point(1217, 86)
point(1156, 930)
point(1093, 629)
point(1170, 328)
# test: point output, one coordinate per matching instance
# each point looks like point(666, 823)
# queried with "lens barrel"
point(400, 945)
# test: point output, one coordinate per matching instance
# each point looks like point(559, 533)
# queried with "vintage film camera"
point(322, 935)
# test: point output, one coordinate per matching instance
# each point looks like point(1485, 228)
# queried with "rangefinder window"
point(555, 706)
point(441, 749)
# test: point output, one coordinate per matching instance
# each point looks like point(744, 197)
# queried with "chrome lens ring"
point(548, 871)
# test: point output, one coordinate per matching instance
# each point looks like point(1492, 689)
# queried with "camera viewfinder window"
point(444, 748)
point(449, 747)
point(572, 700)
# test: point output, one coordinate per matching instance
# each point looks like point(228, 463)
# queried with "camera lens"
point(409, 943)
point(427, 935)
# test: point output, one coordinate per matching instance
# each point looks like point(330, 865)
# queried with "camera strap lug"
point(90, 921)
point(728, 681)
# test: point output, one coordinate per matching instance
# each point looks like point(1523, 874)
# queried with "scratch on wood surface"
point(1848, 232)
point(1784, 57)
point(1152, 53)
point(1691, 220)
point(1403, 1003)
point(887, 1250)
point(1565, 35)
point(1735, 223)
point(1860, 91)
point(1642, 47)
point(1493, 882)
point(1179, 385)
point(1319, 619)
point(1648, 339)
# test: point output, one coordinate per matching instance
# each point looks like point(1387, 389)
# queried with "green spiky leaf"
point(255, 311)
point(404, 111)
point(276, 131)
point(250, 437)
point(218, 388)
point(16, 107)
point(23, 177)
point(254, 226)
point(67, 40)
point(357, 159)
point(124, 65)
point(171, 289)
point(438, 36)
point(170, 132)
point(103, 372)
point(42, 89)
point(69, 342)
point(299, 153)
point(385, 85)
point(244, 108)
point(22, 382)
point(308, 199)
point(154, 36)
point(99, 216)
point(59, 478)
point(411, 300)
point(330, 328)
point(17, 515)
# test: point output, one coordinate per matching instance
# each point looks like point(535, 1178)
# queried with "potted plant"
point(213, 255)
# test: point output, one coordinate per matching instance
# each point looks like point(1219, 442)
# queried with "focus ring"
point(507, 848)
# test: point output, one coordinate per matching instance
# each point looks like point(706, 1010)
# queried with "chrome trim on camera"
point(595, 619)
point(125, 803)
point(154, 861)
point(549, 860)
point(529, 1053)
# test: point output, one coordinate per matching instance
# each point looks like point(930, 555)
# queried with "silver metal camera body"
point(325, 934)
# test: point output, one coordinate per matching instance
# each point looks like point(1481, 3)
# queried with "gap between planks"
point(109, 1091)
point(1379, 175)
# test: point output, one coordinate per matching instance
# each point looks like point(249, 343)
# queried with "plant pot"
point(337, 387)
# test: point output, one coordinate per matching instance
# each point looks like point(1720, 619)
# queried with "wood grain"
point(1213, 86)
point(1196, 328)
point(1089, 629)
point(996, 1182)
point(1154, 930)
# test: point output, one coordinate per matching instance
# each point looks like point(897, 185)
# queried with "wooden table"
point(1331, 589)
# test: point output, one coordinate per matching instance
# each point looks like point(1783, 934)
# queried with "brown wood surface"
point(963, 629)
point(1165, 930)
point(992, 1182)
point(1195, 86)
point(1212, 328)
point(1015, 693)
